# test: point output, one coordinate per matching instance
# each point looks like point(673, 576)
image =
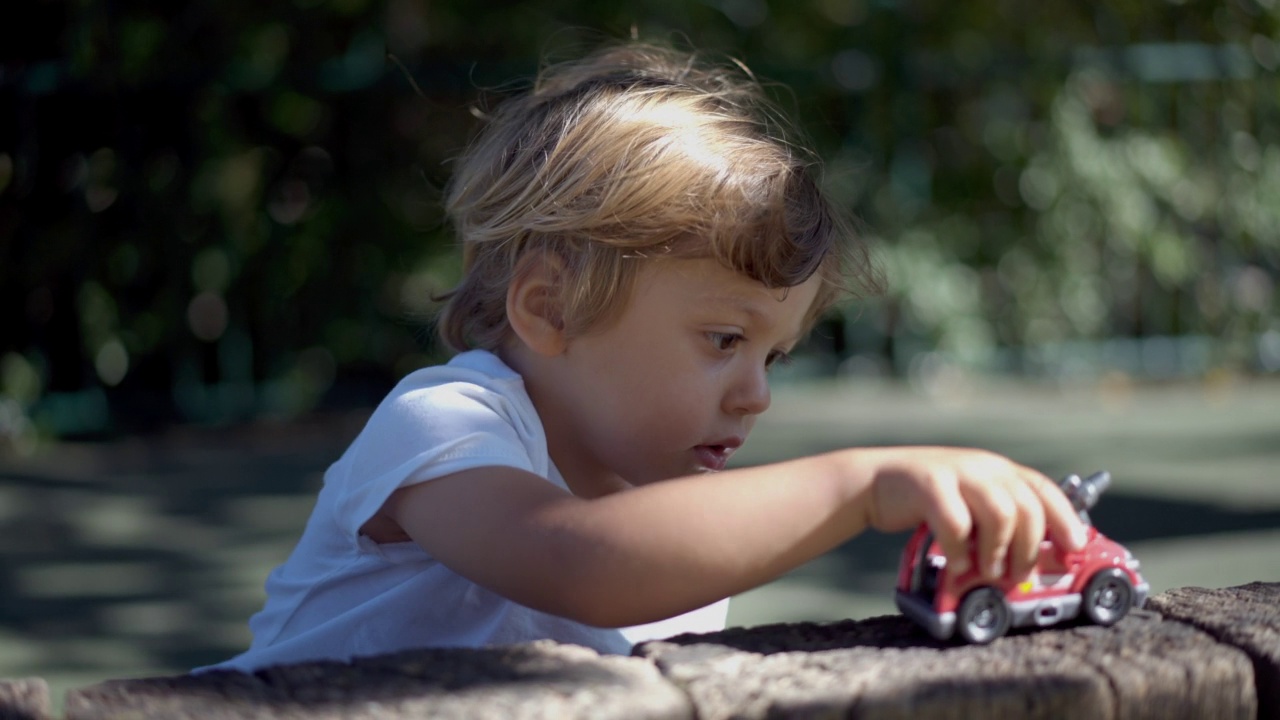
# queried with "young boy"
point(642, 243)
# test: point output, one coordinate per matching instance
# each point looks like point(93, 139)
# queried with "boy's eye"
point(724, 341)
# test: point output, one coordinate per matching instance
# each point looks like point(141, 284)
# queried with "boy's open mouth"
point(714, 456)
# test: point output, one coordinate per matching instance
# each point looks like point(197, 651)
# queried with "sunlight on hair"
point(688, 134)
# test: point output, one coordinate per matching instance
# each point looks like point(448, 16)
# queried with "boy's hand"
point(964, 494)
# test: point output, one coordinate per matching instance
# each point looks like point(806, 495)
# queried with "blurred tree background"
point(217, 211)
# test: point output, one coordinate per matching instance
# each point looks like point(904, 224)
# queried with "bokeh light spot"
point(207, 316)
point(112, 362)
point(211, 270)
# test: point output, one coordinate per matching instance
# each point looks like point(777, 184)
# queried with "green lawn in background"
point(146, 555)
point(1196, 474)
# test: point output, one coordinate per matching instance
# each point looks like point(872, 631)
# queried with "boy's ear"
point(534, 305)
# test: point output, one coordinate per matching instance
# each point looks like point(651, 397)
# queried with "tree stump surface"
point(534, 681)
point(25, 699)
point(887, 667)
point(1193, 653)
point(1247, 617)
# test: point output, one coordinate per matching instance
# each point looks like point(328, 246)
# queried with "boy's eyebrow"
point(748, 307)
point(736, 302)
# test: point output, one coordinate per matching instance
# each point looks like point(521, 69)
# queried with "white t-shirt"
point(341, 595)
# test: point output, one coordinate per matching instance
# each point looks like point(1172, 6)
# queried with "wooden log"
point(1246, 616)
point(541, 680)
point(25, 699)
point(885, 668)
point(1206, 654)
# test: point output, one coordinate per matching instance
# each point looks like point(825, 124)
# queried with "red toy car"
point(1102, 581)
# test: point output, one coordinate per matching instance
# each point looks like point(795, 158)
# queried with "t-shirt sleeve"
point(422, 434)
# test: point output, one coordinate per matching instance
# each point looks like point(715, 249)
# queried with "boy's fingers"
point(995, 515)
point(1025, 546)
point(1061, 520)
point(952, 524)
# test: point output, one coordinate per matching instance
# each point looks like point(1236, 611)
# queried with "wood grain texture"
point(24, 699)
point(537, 681)
point(1245, 616)
point(887, 668)
point(1192, 654)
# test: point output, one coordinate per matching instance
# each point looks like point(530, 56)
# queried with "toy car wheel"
point(1108, 597)
point(984, 616)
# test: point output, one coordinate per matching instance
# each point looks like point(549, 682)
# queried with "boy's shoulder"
point(475, 367)
point(474, 402)
point(470, 380)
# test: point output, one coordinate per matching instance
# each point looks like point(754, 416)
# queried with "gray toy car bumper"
point(940, 625)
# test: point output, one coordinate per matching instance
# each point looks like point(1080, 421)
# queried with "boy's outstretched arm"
point(662, 549)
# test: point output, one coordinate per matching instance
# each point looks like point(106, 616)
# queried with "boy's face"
point(673, 386)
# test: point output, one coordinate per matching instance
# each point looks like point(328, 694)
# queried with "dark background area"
point(214, 212)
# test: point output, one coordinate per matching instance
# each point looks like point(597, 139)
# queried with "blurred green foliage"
point(212, 211)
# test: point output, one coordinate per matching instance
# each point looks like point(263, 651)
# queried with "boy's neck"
point(584, 479)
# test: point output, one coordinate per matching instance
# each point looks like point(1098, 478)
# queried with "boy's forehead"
point(710, 279)
point(710, 283)
point(747, 301)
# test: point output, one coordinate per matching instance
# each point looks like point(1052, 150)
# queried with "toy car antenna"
point(1084, 494)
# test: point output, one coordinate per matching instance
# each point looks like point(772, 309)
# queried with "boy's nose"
point(749, 395)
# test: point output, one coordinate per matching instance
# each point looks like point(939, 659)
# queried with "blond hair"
point(634, 152)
